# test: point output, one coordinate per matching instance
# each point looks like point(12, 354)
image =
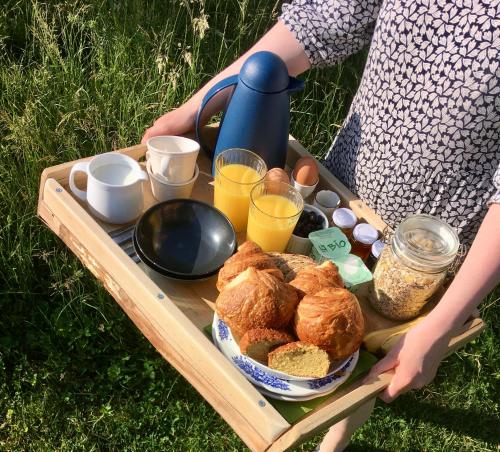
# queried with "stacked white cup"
point(172, 166)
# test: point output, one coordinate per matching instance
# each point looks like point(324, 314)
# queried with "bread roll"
point(290, 264)
point(331, 319)
point(256, 299)
point(257, 343)
point(248, 255)
point(300, 359)
point(314, 278)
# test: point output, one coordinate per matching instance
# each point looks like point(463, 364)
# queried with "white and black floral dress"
point(423, 131)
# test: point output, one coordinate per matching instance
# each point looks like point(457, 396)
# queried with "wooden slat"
point(166, 327)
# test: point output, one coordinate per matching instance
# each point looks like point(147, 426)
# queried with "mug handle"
point(84, 168)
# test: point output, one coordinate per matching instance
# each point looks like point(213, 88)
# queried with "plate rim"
point(292, 386)
point(278, 373)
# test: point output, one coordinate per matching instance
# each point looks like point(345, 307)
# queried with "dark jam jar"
point(364, 235)
point(345, 219)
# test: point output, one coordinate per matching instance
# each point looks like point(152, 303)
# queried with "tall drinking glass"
point(275, 208)
point(236, 173)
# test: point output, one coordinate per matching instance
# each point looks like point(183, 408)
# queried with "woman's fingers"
point(397, 386)
point(175, 122)
point(390, 361)
point(382, 366)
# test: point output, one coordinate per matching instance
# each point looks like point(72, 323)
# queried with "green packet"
point(332, 244)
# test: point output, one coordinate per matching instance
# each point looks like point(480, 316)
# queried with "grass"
point(79, 78)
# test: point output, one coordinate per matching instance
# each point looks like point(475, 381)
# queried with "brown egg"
point(278, 174)
point(306, 171)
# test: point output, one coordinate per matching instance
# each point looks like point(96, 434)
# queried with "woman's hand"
point(414, 360)
point(175, 122)
point(417, 356)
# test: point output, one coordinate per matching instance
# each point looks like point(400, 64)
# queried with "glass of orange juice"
point(236, 173)
point(275, 208)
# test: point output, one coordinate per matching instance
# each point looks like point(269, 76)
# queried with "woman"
point(422, 135)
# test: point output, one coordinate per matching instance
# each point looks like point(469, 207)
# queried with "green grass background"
point(83, 77)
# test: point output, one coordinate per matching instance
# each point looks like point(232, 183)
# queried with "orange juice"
point(271, 221)
point(233, 184)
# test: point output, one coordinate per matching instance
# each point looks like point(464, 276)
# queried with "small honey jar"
point(345, 219)
point(364, 235)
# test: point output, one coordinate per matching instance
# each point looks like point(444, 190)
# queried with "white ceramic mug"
point(114, 187)
point(173, 157)
point(164, 190)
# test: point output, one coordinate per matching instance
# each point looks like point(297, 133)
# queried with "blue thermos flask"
point(257, 116)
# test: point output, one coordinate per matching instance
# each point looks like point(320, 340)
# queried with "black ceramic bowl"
point(184, 239)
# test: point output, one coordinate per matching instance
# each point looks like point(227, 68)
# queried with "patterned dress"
point(423, 131)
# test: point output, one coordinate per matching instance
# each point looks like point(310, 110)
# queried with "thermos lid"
point(265, 72)
point(365, 233)
point(344, 218)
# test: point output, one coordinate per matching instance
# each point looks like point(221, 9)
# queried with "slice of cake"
point(300, 359)
point(258, 342)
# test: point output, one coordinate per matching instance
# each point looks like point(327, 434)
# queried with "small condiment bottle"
point(345, 219)
point(376, 249)
point(364, 235)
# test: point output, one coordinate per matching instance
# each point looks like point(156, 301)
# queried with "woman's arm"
point(309, 33)
point(418, 354)
point(278, 40)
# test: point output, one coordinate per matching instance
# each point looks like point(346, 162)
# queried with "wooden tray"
point(172, 314)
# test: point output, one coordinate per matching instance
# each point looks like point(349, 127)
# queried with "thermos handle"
point(219, 86)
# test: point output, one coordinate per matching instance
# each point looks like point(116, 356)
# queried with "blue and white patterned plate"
point(274, 386)
point(224, 334)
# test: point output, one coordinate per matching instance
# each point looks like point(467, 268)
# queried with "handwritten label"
point(330, 243)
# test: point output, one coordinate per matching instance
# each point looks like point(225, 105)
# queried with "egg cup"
point(304, 190)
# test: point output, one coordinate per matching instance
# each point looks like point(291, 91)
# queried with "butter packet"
point(332, 244)
point(353, 270)
point(329, 243)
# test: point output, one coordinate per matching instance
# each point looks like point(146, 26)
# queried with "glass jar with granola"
point(413, 267)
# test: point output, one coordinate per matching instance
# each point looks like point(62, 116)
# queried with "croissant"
point(332, 320)
point(248, 255)
point(314, 278)
point(256, 299)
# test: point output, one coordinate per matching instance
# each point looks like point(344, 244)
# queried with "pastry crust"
point(331, 319)
point(256, 299)
point(248, 255)
point(314, 278)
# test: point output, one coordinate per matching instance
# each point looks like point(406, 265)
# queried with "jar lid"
point(365, 233)
point(426, 242)
point(344, 218)
point(377, 248)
